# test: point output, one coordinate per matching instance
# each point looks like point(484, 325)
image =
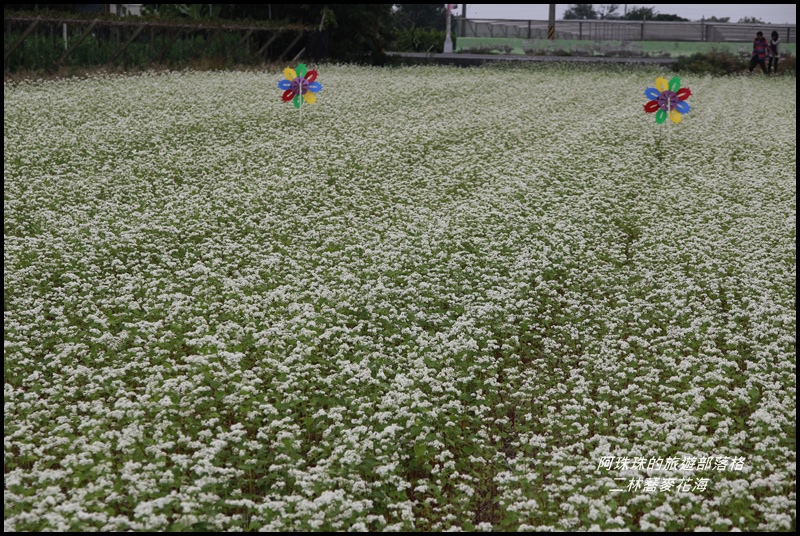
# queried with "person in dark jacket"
point(759, 56)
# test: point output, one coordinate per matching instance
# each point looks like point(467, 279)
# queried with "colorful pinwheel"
point(668, 99)
point(299, 85)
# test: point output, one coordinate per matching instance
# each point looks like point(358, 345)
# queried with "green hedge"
point(420, 40)
point(719, 62)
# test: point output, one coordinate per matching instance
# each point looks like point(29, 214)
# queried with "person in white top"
point(772, 53)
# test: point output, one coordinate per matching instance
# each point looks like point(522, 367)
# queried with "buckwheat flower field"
point(438, 299)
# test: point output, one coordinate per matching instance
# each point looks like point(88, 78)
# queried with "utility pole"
point(551, 23)
point(463, 20)
point(448, 43)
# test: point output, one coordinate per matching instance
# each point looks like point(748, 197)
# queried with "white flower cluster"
point(431, 302)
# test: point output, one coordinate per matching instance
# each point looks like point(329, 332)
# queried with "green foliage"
point(418, 40)
point(580, 12)
point(750, 20)
point(355, 33)
point(609, 11)
point(665, 17)
point(209, 50)
point(649, 13)
point(714, 62)
point(430, 16)
point(362, 32)
point(787, 65)
point(640, 13)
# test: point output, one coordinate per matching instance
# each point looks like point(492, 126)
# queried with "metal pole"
point(448, 43)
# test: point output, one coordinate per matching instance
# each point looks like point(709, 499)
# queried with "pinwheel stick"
point(669, 128)
point(301, 110)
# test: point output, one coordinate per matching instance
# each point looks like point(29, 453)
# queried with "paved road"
point(462, 59)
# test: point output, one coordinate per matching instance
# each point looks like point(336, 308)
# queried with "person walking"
point(759, 56)
point(772, 53)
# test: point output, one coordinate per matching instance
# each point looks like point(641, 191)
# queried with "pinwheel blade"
point(683, 107)
point(289, 73)
point(652, 93)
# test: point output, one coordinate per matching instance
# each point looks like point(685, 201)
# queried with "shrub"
point(419, 40)
point(715, 62)
point(547, 52)
point(786, 65)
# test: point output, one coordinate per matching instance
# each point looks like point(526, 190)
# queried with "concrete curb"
point(466, 60)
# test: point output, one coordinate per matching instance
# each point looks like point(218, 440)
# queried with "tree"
point(580, 12)
point(347, 32)
point(649, 13)
point(664, 17)
point(609, 11)
point(359, 32)
point(750, 20)
point(717, 19)
point(640, 13)
point(431, 16)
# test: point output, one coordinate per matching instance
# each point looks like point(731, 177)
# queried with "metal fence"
point(607, 30)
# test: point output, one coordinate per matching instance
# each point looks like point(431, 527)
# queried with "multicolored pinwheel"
point(299, 85)
point(668, 99)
